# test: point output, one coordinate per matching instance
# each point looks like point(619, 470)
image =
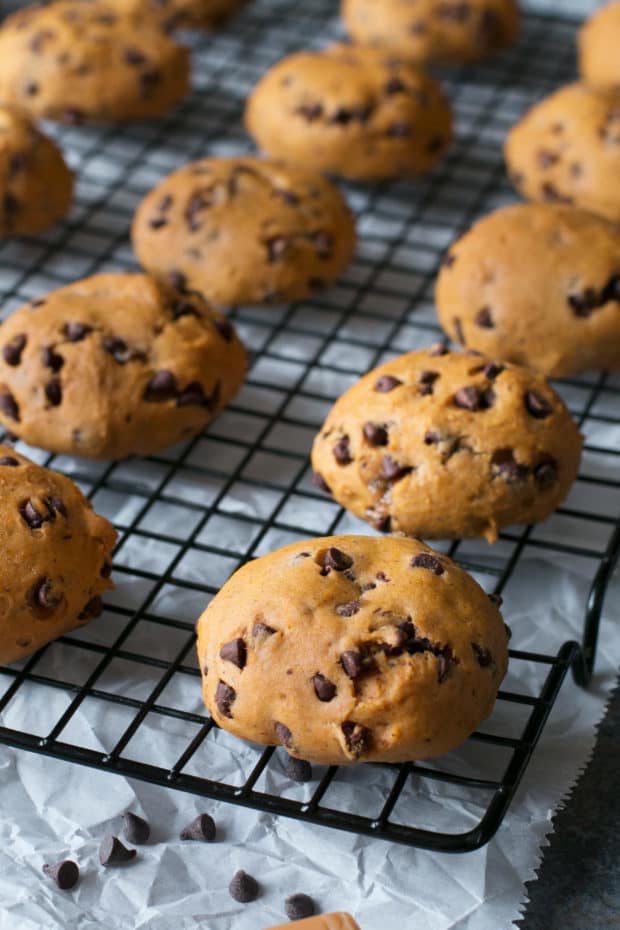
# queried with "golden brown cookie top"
point(113, 365)
point(598, 49)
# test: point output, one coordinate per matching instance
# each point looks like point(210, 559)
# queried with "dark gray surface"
point(579, 881)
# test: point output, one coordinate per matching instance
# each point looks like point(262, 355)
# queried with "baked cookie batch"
point(341, 649)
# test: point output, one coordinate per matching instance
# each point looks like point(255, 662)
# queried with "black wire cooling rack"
point(123, 694)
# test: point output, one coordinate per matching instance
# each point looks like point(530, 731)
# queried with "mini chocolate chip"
point(31, 515)
point(375, 434)
point(537, 405)
point(9, 461)
point(41, 597)
point(75, 332)
point(113, 852)
point(504, 464)
point(383, 524)
point(431, 438)
point(177, 280)
point(392, 470)
point(225, 698)
point(299, 906)
point(458, 329)
point(493, 370)
point(483, 656)
point(324, 689)
point(276, 247)
point(394, 86)
point(158, 222)
point(149, 79)
point(161, 387)
point(92, 609)
point(202, 829)
point(55, 505)
point(483, 318)
point(262, 629)
point(283, 734)
point(297, 769)
point(496, 599)
point(243, 887)
point(357, 737)
point(52, 359)
point(106, 570)
point(546, 473)
point(386, 383)
point(310, 111)
point(399, 130)
point(234, 652)
point(319, 482)
point(546, 158)
point(472, 398)
point(426, 560)
point(31, 88)
point(53, 391)
point(444, 661)
point(428, 377)
point(136, 829)
point(341, 451)
point(193, 396)
point(336, 560)
point(10, 204)
point(12, 351)
point(352, 662)
point(224, 328)
point(64, 874)
point(349, 609)
point(9, 406)
point(133, 56)
point(323, 244)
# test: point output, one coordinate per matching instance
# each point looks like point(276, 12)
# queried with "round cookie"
point(183, 14)
point(56, 556)
point(442, 445)
point(598, 49)
point(76, 61)
point(352, 111)
point(244, 231)
point(352, 649)
point(36, 187)
point(536, 284)
point(113, 365)
point(434, 31)
point(567, 149)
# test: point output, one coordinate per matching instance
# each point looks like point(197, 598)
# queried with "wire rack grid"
point(123, 694)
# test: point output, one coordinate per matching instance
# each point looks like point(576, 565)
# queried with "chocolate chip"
point(375, 434)
point(324, 689)
point(92, 609)
point(243, 887)
point(336, 560)
point(136, 829)
point(225, 698)
point(319, 482)
point(75, 332)
point(504, 464)
point(31, 88)
point(40, 595)
point(9, 407)
point(352, 662)
point(158, 222)
point(392, 470)
point(357, 737)
point(299, 906)
point(31, 515)
point(386, 383)
point(224, 328)
point(117, 348)
point(444, 660)
point(438, 349)
point(193, 396)
point(323, 244)
point(161, 387)
point(546, 473)
point(458, 329)
point(149, 79)
point(234, 652)
point(310, 111)
point(12, 351)
point(431, 438)
point(283, 734)
point(9, 461)
point(493, 370)
point(349, 609)
point(398, 130)
point(383, 524)
point(64, 874)
point(394, 86)
point(426, 560)
point(483, 656)
point(537, 405)
point(52, 359)
point(262, 629)
point(106, 570)
point(297, 770)
point(546, 158)
point(483, 318)
point(133, 56)
point(276, 247)
point(113, 852)
point(177, 280)
point(341, 451)
point(53, 391)
point(473, 399)
point(202, 829)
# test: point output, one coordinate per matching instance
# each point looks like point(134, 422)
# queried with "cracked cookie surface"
point(536, 284)
point(56, 556)
point(434, 31)
point(566, 149)
point(357, 112)
point(441, 445)
point(352, 649)
point(244, 230)
point(89, 62)
point(113, 365)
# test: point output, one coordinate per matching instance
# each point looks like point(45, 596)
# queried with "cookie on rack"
point(536, 284)
point(183, 14)
point(360, 113)
point(112, 366)
point(352, 649)
point(56, 556)
point(245, 231)
point(566, 149)
point(36, 186)
point(78, 62)
point(598, 49)
point(441, 444)
point(433, 31)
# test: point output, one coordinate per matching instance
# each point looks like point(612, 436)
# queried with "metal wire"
point(188, 517)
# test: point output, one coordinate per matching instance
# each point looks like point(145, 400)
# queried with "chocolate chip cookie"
point(352, 649)
point(77, 62)
point(434, 31)
point(36, 186)
point(56, 556)
point(598, 49)
point(441, 445)
point(113, 365)
point(184, 14)
point(566, 149)
point(357, 112)
point(245, 231)
point(536, 284)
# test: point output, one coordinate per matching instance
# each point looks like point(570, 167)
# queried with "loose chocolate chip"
point(53, 391)
point(9, 407)
point(297, 769)
point(133, 56)
point(352, 662)
point(426, 560)
point(504, 464)
point(357, 737)
point(225, 698)
point(319, 482)
point(483, 318)
point(341, 451)
point(40, 595)
point(483, 656)
point(75, 332)
point(299, 906)
point(336, 560)
point(283, 734)
point(438, 349)
point(12, 351)
point(458, 329)
point(113, 852)
point(202, 829)
point(64, 874)
point(386, 383)
point(243, 887)
point(537, 405)
point(546, 473)
point(92, 609)
point(324, 689)
point(262, 629)
point(161, 387)
point(276, 247)
point(493, 370)
point(234, 652)
point(392, 470)
point(349, 609)
point(496, 599)
point(136, 829)
point(473, 399)
point(31, 515)
point(52, 359)
point(375, 434)
point(9, 461)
